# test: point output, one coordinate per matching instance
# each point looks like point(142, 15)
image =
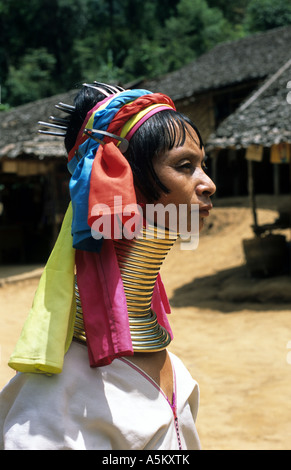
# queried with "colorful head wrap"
point(99, 172)
point(102, 171)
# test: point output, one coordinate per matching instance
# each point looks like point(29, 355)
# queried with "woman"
point(95, 372)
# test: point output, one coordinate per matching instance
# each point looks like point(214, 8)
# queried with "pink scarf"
point(103, 299)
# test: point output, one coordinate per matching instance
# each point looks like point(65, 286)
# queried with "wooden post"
point(214, 156)
point(276, 179)
point(252, 192)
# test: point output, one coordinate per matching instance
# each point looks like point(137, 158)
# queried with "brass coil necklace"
point(139, 260)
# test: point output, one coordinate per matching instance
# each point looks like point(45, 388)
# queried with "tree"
point(31, 79)
point(194, 30)
point(267, 14)
point(233, 11)
point(47, 46)
point(51, 25)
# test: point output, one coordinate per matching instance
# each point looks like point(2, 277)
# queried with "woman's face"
point(181, 171)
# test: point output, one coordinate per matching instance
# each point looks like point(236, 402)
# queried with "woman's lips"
point(204, 210)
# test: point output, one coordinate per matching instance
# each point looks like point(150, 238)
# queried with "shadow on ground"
point(234, 290)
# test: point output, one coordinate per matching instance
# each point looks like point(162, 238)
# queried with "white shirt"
point(115, 407)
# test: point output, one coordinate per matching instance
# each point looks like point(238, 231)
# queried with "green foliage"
point(4, 107)
point(31, 79)
point(47, 46)
point(194, 30)
point(145, 58)
point(267, 14)
point(233, 11)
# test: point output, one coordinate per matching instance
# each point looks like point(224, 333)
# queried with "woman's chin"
point(201, 224)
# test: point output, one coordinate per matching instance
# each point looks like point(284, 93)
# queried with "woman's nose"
point(206, 186)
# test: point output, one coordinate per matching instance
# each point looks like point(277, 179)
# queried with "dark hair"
point(161, 132)
point(85, 100)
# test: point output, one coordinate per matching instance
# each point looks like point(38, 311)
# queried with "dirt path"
point(231, 331)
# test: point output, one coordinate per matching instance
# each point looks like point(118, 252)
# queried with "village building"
point(261, 130)
point(33, 183)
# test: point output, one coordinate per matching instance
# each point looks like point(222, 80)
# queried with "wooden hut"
point(261, 130)
point(33, 182)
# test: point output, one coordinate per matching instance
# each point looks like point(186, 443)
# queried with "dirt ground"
point(232, 331)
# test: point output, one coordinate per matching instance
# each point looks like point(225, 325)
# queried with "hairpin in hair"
point(55, 134)
point(112, 88)
point(67, 108)
point(55, 126)
point(58, 120)
point(123, 146)
point(58, 126)
point(49, 125)
point(101, 90)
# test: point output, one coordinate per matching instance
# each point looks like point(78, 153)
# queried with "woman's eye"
point(185, 166)
point(204, 166)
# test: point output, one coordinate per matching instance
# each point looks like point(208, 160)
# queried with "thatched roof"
point(19, 129)
point(263, 119)
point(252, 58)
